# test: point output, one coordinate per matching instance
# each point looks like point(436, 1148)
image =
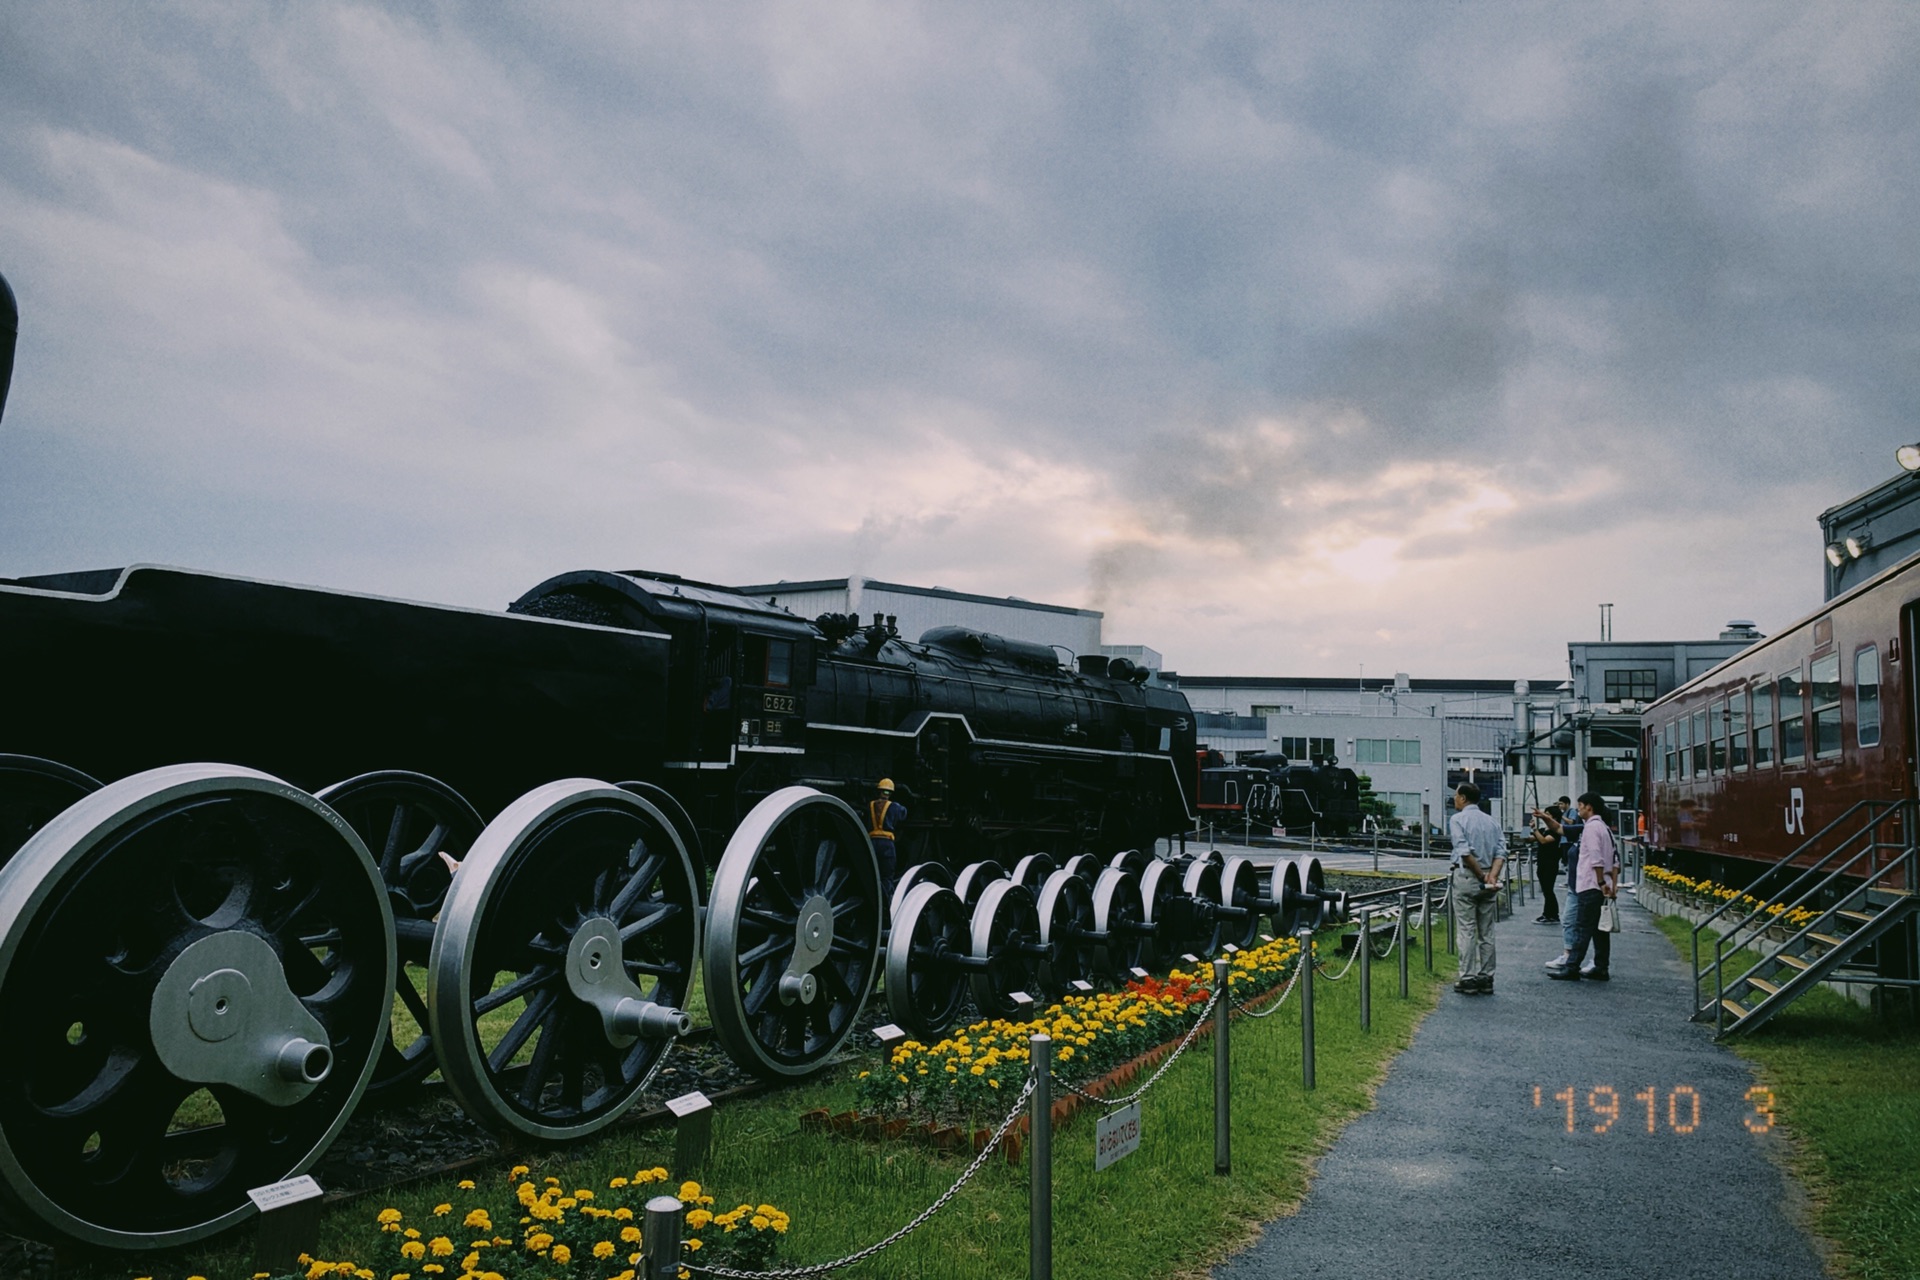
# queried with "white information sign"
point(281, 1194)
point(1117, 1136)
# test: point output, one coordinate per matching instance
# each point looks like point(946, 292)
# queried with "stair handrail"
point(1804, 931)
point(1880, 811)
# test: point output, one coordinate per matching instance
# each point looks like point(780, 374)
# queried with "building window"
point(1866, 696)
point(1630, 686)
point(1737, 732)
point(1403, 751)
point(1386, 751)
point(1370, 751)
point(1762, 726)
point(1406, 804)
point(1793, 731)
point(1306, 748)
point(1261, 709)
point(1717, 748)
point(1826, 706)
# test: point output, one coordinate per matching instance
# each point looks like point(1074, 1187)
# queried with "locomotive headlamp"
point(1836, 554)
point(1908, 456)
point(1858, 543)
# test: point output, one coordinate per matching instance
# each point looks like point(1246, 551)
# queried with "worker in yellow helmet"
point(884, 817)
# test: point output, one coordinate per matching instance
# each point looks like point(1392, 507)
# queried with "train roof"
point(1879, 581)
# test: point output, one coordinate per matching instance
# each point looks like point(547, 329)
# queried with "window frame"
point(1701, 729)
point(1764, 731)
point(1861, 655)
point(1717, 736)
point(1795, 725)
point(1738, 740)
point(1629, 684)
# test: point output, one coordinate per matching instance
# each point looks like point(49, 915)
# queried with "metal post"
point(1426, 918)
point(1040, 1163)
point(1401, 937)
point(1376, 844)
point(660, 1239)
point(1306, 1008)
point(1453, 923)
point(1366, 972)
point(1222, 1074)
point(1425, 834)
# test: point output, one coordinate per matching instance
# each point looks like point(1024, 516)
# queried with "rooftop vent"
point(1740, 629)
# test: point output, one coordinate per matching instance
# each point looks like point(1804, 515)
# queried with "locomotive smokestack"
point(9, 331)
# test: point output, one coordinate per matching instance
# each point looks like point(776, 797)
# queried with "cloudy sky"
point(1295, 338)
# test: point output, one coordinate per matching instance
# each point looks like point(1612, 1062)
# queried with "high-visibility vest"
point(877, 811)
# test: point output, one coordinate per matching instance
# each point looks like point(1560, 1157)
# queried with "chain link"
point(1246, 1006)
point(1113, 1104)
point(821, 1268)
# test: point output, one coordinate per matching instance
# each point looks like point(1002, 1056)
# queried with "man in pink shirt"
point(1596, 879)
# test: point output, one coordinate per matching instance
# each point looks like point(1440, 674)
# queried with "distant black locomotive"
point(1269, 791)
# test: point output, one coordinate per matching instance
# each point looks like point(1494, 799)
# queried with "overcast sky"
point(1295, 338)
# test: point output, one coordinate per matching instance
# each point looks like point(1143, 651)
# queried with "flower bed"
point(1709, 895)
point(581, 1234)
point(962, 1077)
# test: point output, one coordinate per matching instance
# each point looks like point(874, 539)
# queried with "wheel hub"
point(224, 1014)
point(813, 939)
point(597, 975)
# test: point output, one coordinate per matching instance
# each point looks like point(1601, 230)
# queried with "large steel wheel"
point(912, 878)
point(413, 825)
point(562, 960)
point(926, 981)
point(793, 933)
point(974, 879)
point(1126, 939)
point(1200, 882)
point(1239, 914)
point(1007, 950)
point(32, 793)
point(196, 965)
point(1065, 905)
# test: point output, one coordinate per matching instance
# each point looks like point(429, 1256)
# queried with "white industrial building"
point(918, 609)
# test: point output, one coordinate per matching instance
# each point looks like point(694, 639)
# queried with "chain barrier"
point(1113, 1104)
point(1321, 969)
point(1246, 1006)
point(822, 1268)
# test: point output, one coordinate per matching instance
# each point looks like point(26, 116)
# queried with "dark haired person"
point(1479, 853)
point(1547, 837)
point(1596, 879)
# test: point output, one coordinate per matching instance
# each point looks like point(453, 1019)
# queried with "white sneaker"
point(1586, 969)
point(1561, 962)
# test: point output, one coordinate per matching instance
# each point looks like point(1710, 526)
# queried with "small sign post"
point(1116, 1136)
point(289, 1222)
point(692, 1131)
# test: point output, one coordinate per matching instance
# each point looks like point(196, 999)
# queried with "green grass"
point(1159, 1213)
point(1847, 1089)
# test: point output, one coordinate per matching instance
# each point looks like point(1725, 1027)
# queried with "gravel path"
point(1456, 1172)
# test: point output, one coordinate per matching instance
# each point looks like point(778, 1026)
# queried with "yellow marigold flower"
point(562, 1254)
point(616, 1183)
point(384, 1216)
point(465, 1184)
point(566, 1202)
point(412, 1233)
point(629, 1235)
point(693, 1245)
point(699, 1218)
point(440, 1247)
point(518, 1170)
point(479, 1219)
point(583, 1195)
point(433, 1268)
point(471, 1261)
point(603, 1248)
point(442, 1210)
point(760, 1221)
point(399, 1275)
point(413, 1251)
point(623, 1214)
point(319, 1269)
point(689, 1191)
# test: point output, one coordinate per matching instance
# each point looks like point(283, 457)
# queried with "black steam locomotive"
point(1270, 792)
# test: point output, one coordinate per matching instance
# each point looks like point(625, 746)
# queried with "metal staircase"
point(1861, 892)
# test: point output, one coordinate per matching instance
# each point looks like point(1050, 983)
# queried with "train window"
point(1866, 696)
point(779, 663)
point(1718, 720)
point(1826, 706)
point(1699, 744)
point(1683, 759)
point(1737, 732)
point(1666, 752)
point(1793, 733)
point(1762, 726)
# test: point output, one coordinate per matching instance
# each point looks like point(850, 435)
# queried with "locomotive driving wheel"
point(974, 879)
point(32, 792)
point(1239, 913)
point(196, 964)
point(1201, 883)
point(1065, 905)
point(793, 933)
point(912, 878)
point(1126, 939)
point(1008, 952)
point(926, 950)
point(563, 960)
point(1031, 872)
point(417, 829)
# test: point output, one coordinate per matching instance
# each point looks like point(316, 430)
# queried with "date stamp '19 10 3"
point(1679, 1107)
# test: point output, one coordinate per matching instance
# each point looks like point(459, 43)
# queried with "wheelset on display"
point(196, 968)
point(32, 793)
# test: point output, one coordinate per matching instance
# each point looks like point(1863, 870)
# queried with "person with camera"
point(1596, 882)
point(1548, 835)
point(1479, 855)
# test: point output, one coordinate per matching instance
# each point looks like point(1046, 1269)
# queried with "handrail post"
point(1366, 972)
point(1719, 990)
point(1222, 1073)
point(660, 1241)
point(1040, 1161)
point(1306, 1007)
point(1426, 918)
point(1402, 936)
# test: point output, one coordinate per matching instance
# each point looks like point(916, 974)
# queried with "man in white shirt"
point(1479, 855)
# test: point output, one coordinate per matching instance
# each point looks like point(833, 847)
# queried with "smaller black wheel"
point(1167, 909)
point(1006, 936)
point(974, 879)
point(918, 874)
point(1131, 860)
point(1084, 865)
point(1126, 940)
point(1240, 902)
point(925, 987)
point(1293, 907)
point(1032, 871)
point(1200, 884)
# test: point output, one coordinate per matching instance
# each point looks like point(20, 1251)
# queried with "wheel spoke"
point(523, 1027)
point(520, 986)
point(661, 913)
point(638, 882)
point(540, 1069)
point(390, 852)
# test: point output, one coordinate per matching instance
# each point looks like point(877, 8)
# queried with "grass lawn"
point(1158, 1213)
point(1847, 1085)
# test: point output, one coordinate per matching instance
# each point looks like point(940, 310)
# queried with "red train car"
point(1743, 765)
